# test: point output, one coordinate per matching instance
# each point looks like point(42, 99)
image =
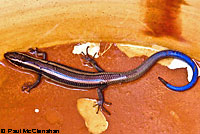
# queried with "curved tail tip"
point(162, 80)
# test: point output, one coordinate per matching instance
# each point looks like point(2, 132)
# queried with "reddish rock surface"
point(142, 106)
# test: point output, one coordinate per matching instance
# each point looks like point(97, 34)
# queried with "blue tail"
point(188, 60)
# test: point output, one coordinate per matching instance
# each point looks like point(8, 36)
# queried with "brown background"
point(142, 106)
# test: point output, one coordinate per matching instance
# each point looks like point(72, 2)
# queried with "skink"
point(83, 79)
